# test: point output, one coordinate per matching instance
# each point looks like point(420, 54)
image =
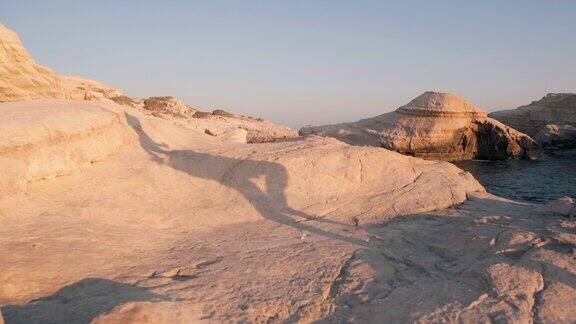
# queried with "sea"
point(540, 181)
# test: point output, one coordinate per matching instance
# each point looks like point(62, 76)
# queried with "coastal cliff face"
point(21, 78)
point(439, 126)
point(550, 120)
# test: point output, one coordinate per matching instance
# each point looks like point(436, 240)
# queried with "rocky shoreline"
point(116, 209)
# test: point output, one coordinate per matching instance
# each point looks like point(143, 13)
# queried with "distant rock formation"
point(218, 123)
point(168, 105)
point(226, 125)
point(223, 113)
point(550, 120)
point(158, 106)
point(439, 126)
point(22, 79)
point(557, 137)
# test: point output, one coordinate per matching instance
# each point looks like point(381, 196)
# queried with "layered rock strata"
point(46, 139)
point(436, 126)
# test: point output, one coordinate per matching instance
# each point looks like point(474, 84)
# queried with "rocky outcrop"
point(177, 225)
point(218, 123)
point(22, 79)
point(550, 120)
point(168, 105)
point(109, 214)
point(496, 141)
point(46, 139)
point(565, 207)
point(557, 137)
point(30, 129)
point(153, 175)
point(436, 126)
point(221, 112)
point(91, 90)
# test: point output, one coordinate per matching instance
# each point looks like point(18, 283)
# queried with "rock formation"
point(219, 123)
point(223, 113)
point(178, 226)
point(46, 139)
point(557, 137)
point(110, 214)
point(158, 106)
point(22, 79)
point(551, 120)
point(436, 126)
point(75, 129)
point(565, 207)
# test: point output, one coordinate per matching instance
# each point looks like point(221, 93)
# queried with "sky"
point(307, 62)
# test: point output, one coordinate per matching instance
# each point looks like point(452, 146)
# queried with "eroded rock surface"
point(46, 139)
point(22, 79)
point(550, 120)
point(145, 216)
point(436, 126)
point(486, 260)
point(180, 226)
point(168, 105)
point(109, 214)
point(218, 123)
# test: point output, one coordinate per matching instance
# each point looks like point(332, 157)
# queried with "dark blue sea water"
point(538, 181)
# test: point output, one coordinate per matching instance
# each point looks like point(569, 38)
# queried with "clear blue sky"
point(298, 62)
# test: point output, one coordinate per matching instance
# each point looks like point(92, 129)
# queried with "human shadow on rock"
point(237, 174)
